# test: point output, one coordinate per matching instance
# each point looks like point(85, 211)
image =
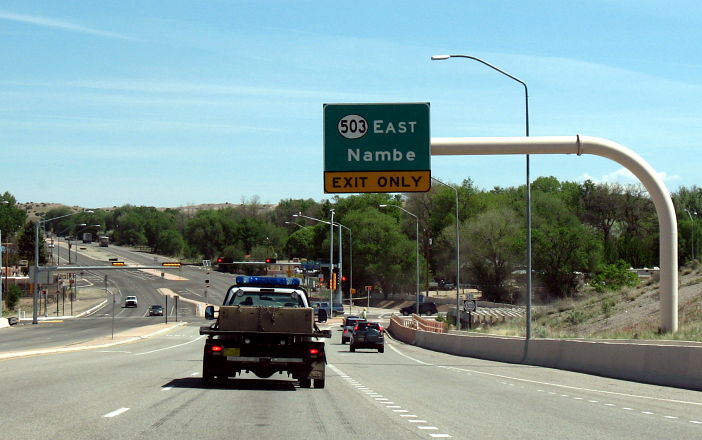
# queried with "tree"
point(170, 242)
point(26, 243)
point(383, 255)
point(11, 216)
point(563, 248)
point(491, 244)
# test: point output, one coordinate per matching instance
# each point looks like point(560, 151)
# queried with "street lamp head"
point(440, 57)
point(382, 206)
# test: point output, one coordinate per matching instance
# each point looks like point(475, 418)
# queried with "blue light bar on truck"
point(242, 280)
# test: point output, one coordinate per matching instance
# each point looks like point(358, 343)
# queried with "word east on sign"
point(376, 148)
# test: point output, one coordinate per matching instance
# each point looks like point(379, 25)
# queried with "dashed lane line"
point(116, 412)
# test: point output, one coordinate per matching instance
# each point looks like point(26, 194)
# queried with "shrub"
point(12, 297)
point(613, 277)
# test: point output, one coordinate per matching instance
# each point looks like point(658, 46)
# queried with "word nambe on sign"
point(376, 148)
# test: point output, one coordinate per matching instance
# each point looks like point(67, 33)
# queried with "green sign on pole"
point(376, 148)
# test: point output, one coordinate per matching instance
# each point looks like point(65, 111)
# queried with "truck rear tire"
point(319, 383)
point(306, 383)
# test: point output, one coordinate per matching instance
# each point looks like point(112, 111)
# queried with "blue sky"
point(170, 103)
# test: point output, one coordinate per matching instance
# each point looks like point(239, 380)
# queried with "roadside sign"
point(376, 148)
point(469, 305)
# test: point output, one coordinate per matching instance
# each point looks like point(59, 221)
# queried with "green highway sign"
point(376, 148)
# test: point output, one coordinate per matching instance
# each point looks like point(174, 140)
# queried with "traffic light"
point(333, 281)
point(224, 260)
point(270, 260)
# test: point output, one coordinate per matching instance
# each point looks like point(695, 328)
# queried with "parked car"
point(156, 310)
point(425, 308)
point(338, 309)
point(367, 335)
point(347, 327)
point(131, 301)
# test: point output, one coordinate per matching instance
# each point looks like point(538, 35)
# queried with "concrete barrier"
point(667, 363)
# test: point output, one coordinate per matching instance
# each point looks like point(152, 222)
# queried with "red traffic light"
point(224, 260)
point(270, 260)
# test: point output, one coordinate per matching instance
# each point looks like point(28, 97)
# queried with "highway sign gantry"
point(376, 148)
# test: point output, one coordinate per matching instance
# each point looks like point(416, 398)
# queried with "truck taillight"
point(216, 348)
point(314, 351)
point(355, 328)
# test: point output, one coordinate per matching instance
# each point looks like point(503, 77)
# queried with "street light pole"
point(528, 178)
point(333, 224)
point(458, 257)
point(35, 305)
point(417, 270)
point(331, 263)
point(692, 234)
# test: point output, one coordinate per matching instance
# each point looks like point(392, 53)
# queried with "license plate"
point(236, 351)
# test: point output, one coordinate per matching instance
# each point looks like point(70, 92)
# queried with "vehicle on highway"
point(338, 309)
point(425, 308)
point(347, 327)
point(324, 307)
point(156, 310)
point(131, 301)
point(367, 335)
point(266, 326)
point(104, 241)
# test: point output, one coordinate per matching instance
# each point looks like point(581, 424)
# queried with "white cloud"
point(58, 24)
point(625, 177)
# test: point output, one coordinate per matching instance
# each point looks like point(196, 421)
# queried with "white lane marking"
point(569, 387)
point(628, 409)
point(610, 404)
point(166, 388)
point(647, 412)
point(116, 412)
point(114, 351)
point(670, 417)
point(195, 374)
point(172, 346)
point(695, 421)
point(400, 412)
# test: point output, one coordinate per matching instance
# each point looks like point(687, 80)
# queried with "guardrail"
point(428, 325)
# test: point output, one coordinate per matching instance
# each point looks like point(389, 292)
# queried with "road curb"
point(90, 345)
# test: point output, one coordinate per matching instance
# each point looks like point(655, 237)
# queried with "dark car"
point(337, 309)
point(426, 308)
point(156, 310)
point(347, 327)
point(367, 335)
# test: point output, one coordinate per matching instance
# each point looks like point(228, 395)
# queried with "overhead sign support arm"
point(667, 222)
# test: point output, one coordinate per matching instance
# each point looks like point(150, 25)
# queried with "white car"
point(130, 301)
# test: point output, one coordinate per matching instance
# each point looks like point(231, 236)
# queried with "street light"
point(1, 266)
point(58, 243)
point(417, 273)
point(84, 227)
point(35, 305)
point(331, 252)
point(458, 256)
point(692, 234)
point(341, 272)
point(528, 180)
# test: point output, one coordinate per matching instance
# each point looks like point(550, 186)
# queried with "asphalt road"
point(152, 389)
